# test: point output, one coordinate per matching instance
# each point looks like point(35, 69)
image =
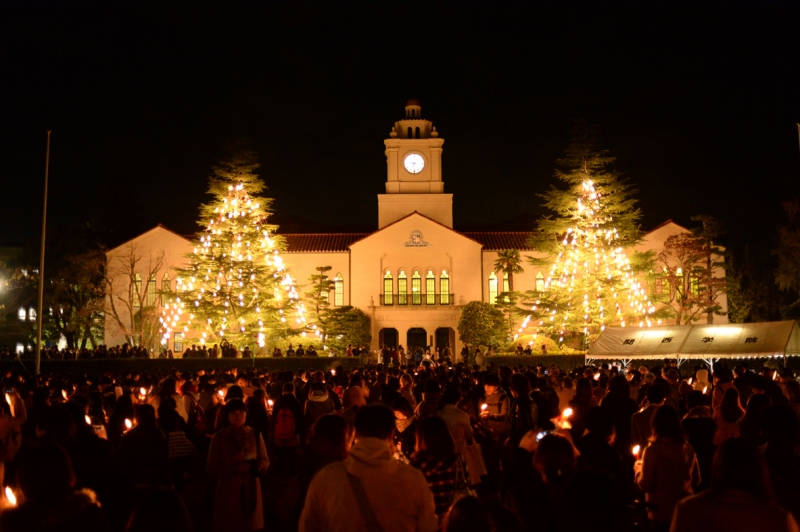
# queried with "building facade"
point(411, 276)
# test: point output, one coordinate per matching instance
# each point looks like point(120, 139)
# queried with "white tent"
point(708, 342)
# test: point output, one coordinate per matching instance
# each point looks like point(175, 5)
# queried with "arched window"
point(402, 288)
point(430, 288)
point(417, 132)
point(444, 288)
point(410, 133)
point(31, 314)
point(388, 286)
point(151, 292)
point(492, 288)
point(505, 282)
point(338, 290)
point(539, 282)
point(166, 285)
point(136, 289)
point(21, 314)
point(416, 288)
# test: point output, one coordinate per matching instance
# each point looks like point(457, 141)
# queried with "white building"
point(413, 274)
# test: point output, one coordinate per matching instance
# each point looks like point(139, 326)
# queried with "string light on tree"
point(236, 287)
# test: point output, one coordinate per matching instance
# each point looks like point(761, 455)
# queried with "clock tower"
point(414, 171)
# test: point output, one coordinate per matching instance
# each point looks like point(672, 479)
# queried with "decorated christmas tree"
point(591, 279)
point(236, 287)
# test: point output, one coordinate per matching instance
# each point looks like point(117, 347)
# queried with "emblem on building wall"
point(416, 241)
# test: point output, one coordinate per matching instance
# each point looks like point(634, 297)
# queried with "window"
point(539, 282)
point(444, 288)
point(430, 288)
point(151, 292)
point(136, 289)
point(410, 134)
point(22, 314)
point(416, 288)
point(492, 288)
point(324, 295)
point(20, 349)
point(338, 290)
point(417, 132)
point(402, 288)
point(505, 285)
point(178, 342)
point(31, 314)
point(388, 285)
point(166, 285)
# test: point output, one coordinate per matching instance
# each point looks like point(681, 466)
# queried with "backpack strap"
point(363, 503)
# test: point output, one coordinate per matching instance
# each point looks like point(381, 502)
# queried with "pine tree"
point(585, 247)
point(236, 287)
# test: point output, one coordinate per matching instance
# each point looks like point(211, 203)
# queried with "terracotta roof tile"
point(501, 240)
point(311, 242)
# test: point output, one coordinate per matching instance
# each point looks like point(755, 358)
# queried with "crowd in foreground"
point(420, 447)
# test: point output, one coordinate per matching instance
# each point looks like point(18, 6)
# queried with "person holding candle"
point(668, 471)
point(494, 416)
point(237, 457)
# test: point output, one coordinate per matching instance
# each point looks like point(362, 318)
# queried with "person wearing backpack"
point(288, 429)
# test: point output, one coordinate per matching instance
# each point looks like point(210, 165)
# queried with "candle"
point(636, 449)
point(333, 372)
point(10, 497)
point(689, 381)
point(128, 425)
point(10, 405)
point(64, 393)
point(88, 420)
point(597, 376)
point(566, 413)
point(705, 389)
point(775, 375)
point(142, 391)
point(221, 394)
point(484, 406)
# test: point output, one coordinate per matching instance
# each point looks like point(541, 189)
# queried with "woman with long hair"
point(727, 416)
point(668, 471)
point(169, 389)
point(436, 457)
point(740, 496)
point(237, 457)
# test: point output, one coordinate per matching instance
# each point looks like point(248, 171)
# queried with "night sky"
point(698, 100)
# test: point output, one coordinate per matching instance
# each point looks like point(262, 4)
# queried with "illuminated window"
point(444, 288)
point(492, 288)
point(402, 288)
point(416, 288)
point(136, 289)
point(31, 314)
point(178, 342)
point(166, 285)
point(324, 295)
point(430, 288)
point(388, 285)
point(151, 292)
point(338, 290)
point(505, 283)
point(539, 282)
point(20, 349)
point(22, 315)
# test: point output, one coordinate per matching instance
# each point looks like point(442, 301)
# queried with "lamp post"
point(39, 313)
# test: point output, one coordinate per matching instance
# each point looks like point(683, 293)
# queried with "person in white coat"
point(369, 490)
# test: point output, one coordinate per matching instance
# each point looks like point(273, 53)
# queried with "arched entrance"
point(416, 337)
point(387, 337)
point(444, 336)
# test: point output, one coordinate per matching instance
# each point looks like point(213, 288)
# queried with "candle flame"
point(705, 389)
point(690, 380)
point(636, 449)
point(10, 497)
point(333, 372)
point(88, 420)
point(221, 393)
point(270, 402)
point(484, 406)
point(10, 405)
point(128, 424)
point(142, 391)
point(566, 413)
point(775, 375)
point(597, 376)
point(64, 393)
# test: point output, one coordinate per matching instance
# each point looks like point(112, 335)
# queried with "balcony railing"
point(414, 300)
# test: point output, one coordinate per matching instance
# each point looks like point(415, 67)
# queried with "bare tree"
point(132, 307)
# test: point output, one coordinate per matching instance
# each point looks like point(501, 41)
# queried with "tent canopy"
point(699, 341)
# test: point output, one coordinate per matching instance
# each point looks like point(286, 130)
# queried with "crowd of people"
point(420, 446)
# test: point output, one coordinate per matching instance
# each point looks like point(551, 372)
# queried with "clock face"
point(414, 163)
